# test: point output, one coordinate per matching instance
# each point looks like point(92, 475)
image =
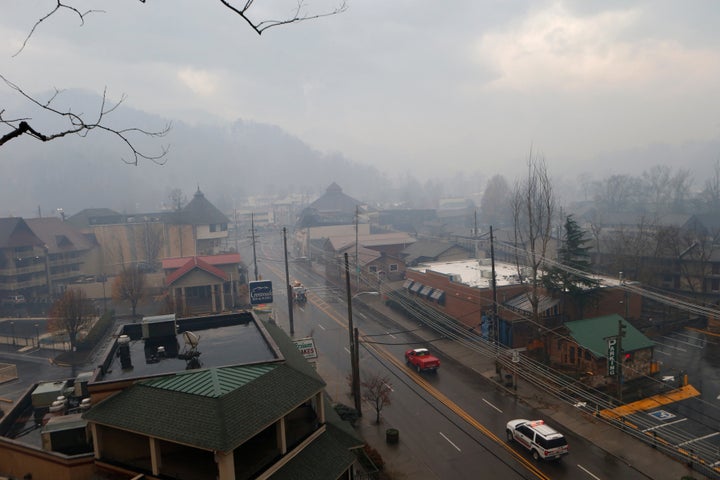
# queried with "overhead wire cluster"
point(550, 380)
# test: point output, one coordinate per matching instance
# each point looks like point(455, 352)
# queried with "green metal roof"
point(592, 334)
point(212, 422)
point(214, 382)
point(217, 408)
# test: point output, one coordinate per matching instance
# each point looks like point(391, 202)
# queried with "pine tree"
point(572, 277)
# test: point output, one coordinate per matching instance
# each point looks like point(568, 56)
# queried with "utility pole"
point(357, 259)
point(494, 293)
point(252, 230)
point(354, 368)
point(287, 284)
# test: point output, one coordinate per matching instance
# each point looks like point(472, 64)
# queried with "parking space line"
point(697, 439)
point(450, 442)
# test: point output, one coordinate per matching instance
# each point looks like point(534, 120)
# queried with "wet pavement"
point(622, 444)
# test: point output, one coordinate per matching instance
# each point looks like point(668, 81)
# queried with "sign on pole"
point(306, 347)
point(260, 292)
point(612, 357)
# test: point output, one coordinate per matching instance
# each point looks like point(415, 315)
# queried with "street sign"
point(612, 357)
point(260, 292)
point(306, 347)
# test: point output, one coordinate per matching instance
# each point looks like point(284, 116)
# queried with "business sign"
point(306, 347)
point(260, 292)
point(612, 357)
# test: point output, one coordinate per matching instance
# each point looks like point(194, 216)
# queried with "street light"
point(352, 332)
point(37, 335)
point(12, 328)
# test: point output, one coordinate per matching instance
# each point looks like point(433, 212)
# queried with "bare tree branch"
point(297, 15)
point(58, 7)
point(76, 124)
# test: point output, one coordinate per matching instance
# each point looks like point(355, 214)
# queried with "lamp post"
point(37, 335)
point(12, 329)
point(353, 334)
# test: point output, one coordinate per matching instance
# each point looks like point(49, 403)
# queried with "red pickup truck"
point(422, 359)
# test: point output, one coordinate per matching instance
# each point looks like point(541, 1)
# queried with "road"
point(453, 421)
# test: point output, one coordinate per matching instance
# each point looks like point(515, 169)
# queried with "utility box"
point(66, 434)
point(81, 390)
point(47, 392)
point(159, 326)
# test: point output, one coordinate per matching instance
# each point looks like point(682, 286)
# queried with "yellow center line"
point(327, 310)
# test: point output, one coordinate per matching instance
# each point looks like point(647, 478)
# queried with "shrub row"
point(97, 332)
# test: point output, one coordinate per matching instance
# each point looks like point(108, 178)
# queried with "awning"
point(415, 287)
point(436, 295)
point(425, 291)
point(407, 283)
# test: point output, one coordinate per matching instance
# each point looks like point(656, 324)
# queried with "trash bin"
point(392, 435)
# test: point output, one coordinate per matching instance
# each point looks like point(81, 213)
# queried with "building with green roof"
point(256, 420)
point(584, 347)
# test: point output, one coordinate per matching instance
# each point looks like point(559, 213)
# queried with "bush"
point(97, 332)
point(346, 413)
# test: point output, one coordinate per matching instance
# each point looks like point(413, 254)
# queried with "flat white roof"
point(474, 272)
point(477, 273)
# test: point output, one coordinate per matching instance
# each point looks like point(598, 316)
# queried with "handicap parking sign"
point(662, 415)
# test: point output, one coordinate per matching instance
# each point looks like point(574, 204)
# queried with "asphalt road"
point(452, 422)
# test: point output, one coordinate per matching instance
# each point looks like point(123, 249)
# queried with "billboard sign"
point(260, 292)
point(612, 357)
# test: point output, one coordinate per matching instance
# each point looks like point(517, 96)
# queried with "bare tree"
point(711, 192)
point(376, 390)
point(70, 314)
point(129, 286)
point(177, 199)
point(533, 207)
point(495, 202)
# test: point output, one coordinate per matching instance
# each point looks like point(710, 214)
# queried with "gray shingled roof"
point(325, 458)
point(198, 212)
point(14, 232)
point(334, 200)
point(59, 236)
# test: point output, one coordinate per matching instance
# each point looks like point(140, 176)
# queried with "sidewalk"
point(403, 464)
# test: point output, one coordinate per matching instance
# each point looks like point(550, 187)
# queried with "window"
point(213, 228)
point(393, 267)
point(373, 268)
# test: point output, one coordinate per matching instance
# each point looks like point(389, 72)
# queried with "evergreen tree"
point(572, 277)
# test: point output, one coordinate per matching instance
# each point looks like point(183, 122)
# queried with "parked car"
point(422, 360)
point(14, 300)
point(541, 440)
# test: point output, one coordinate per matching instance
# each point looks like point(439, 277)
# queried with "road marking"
point(588, 472)
point(347, 350)
point(493, 406)
point(389, 387)
point(450, 442)
point(361, 315)
point(671, 347)
point(391, 335)
point(321, 326)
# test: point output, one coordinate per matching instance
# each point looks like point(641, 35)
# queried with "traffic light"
point(627, 358)
point(622, 328)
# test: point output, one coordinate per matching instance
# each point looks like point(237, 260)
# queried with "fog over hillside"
point(231, 161)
